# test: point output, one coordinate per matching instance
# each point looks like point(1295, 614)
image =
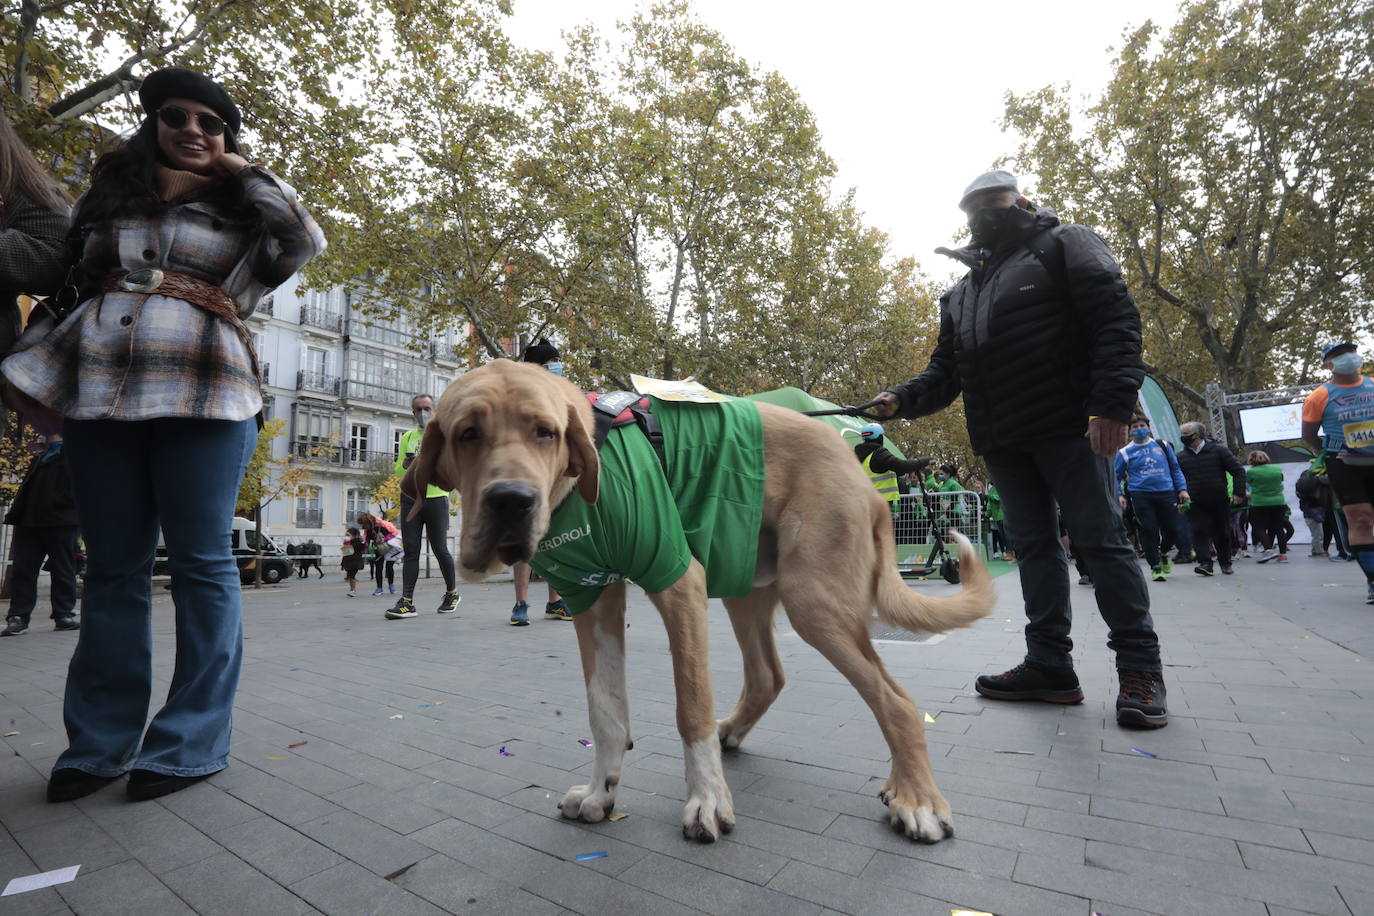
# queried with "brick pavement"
point(1260, 799)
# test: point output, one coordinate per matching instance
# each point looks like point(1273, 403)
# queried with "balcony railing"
point(265, 306)
point(307, 380)
point(309, 518)
point(319, 317)
point(362, 391)
point(339, 456)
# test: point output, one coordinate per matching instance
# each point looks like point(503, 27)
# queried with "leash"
point(850, 411)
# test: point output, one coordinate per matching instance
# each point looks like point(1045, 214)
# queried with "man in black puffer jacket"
point(1043, 340)
point(1205, 465)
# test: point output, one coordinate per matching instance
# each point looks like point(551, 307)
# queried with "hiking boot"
point(66, 622)
point(1157, 574)
point(404, 608)
point(1140, 703)
point(1029, 681)
point(1203, 569)
point(14, 626)
point(1268, 555)
point(450, 602)
point(557, 610)
point(1228, 571)
point(520, 614)
point(1166, 566)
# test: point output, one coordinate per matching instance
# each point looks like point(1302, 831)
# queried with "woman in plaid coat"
point(158, 383)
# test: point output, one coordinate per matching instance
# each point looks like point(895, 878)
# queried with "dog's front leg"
point(710, 811)
point(601, 640)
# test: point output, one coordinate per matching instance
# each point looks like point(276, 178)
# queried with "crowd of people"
point(139, 373)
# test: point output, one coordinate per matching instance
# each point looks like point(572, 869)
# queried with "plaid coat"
point(125, 356)
point(33, 258)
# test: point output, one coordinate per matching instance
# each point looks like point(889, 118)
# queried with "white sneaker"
point(1267, 556)
point(1245, 555)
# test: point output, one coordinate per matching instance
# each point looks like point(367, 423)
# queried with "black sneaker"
point(1183, 558)
point(1029, 681)
point(1227, 571)
point(450, 602)
point(66, 622)
point(404, 608)
point(1140, 703)
point(1203, 569)
point(14, 626)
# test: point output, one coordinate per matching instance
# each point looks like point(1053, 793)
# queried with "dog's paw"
point(729, 735)
point(708, 814)
point(926, 818)
point(583, 803)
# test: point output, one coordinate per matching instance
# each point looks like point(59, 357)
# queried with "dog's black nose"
point(511, 498)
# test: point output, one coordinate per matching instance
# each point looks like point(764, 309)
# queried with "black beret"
point(180, 83)
point(541, 352)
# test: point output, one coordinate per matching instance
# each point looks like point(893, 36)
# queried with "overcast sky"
point(908, 94)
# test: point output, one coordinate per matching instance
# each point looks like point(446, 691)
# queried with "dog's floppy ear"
point(583, 462)
point(425, 469)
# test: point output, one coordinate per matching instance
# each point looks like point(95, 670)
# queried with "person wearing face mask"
point(1149, 471)
point(1342, 410)
point(1206, 466)
point(431, 521)
point(1042, 339)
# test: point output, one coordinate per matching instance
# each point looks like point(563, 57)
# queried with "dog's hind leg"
point(709, 811)
point(601, 641)
point(824, 617)
point(752, 618)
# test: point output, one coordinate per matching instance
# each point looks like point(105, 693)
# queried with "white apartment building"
point(337, 375)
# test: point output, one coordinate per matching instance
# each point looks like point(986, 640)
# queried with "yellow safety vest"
point(885, 482)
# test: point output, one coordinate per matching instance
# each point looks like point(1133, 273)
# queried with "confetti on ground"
point(398, 716)
point(295, 669)
point(503, 752)
point(438, 702)
point(39, 881)
point(425, 706)
point(618, 816)
point(929, 717)
point(584, 742)
point(297, 744)
point(1331, 585)
point(1017, 753)
point(969, 913)
point(1136, 750)
point(10, 734)
point(588, 856)
point(274, 758)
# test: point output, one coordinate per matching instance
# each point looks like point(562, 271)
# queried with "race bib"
point(346, 551)
point(1359, 435)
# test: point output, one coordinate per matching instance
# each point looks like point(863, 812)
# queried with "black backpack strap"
point(1048, 249)
point(607, 408)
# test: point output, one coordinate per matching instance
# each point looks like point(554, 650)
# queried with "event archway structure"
point(1283, 425)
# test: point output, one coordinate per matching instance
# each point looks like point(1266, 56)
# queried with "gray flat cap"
point(996, 180)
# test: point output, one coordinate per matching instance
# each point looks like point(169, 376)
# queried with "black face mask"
point(993, 225)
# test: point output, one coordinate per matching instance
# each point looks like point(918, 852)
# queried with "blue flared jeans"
point(130, 478)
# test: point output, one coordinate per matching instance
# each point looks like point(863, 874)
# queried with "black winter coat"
point(1033, 357)
point(1206, 472)
point(884, 461)
point(45, 497)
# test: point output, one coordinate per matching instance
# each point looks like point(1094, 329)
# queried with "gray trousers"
point(433, 523)
point(1032, 480)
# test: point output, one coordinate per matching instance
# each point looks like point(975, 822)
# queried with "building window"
point(317, 431)
point(396, 435)
point(309, 513)
point(359, 437)
point(356, 504)
point(384, 377)
point(440, 383)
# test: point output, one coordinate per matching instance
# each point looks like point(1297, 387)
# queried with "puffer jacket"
point(1034, 356)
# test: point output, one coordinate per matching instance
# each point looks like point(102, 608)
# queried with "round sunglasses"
point(176, 118)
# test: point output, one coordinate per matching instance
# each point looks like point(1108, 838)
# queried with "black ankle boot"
point(69, 784)
point(145, 784)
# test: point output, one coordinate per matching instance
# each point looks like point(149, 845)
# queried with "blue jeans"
point(129, 478)
point(1032, 480)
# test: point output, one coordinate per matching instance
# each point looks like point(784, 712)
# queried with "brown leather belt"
point(200, 293)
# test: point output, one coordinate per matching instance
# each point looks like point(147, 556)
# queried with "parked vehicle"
point(243, 540)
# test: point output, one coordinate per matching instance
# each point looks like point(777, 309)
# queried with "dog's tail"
point(899, 606)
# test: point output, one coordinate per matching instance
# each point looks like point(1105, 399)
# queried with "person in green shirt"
point(1268, 506)
point(432, 520)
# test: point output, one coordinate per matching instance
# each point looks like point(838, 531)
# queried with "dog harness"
point(702, 497)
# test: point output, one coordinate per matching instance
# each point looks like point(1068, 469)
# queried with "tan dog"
point(514, 440)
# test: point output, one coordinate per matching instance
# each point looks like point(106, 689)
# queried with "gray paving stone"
point(1309, 867)
point(705, 889)
point(208, 808)
point(158, 838)
point(455, 887)
point(225, 885)
point(127, 887)
point(285, 802)
point(963, 854)
point(1115, 888)
point(75, 841)
point(584, 890)
point(969, 890)
point(387, 808)
point(1124, 833)
point(565, 839)
point(277, 850)
point(349, 889)
point(481, 849)
point(847, 894)
point(365, 842)
point(1201, 823)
